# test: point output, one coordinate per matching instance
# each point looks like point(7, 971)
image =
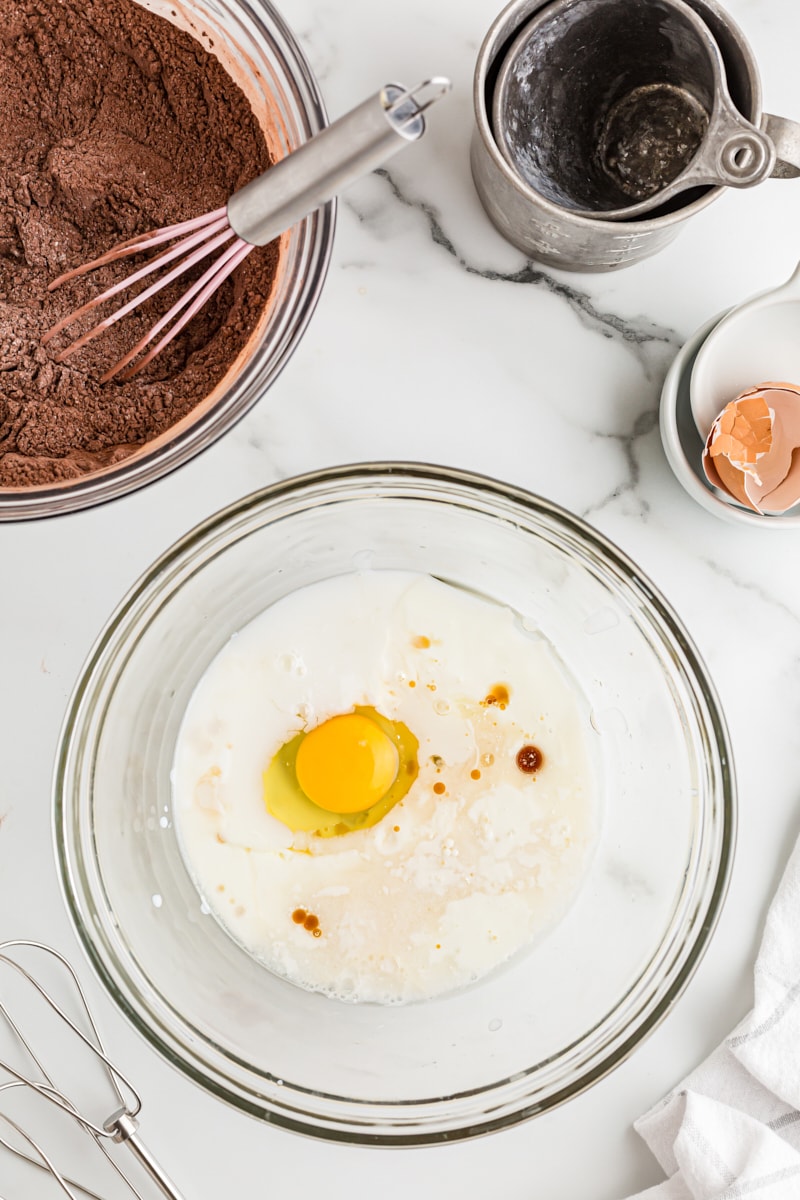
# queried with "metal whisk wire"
point(120, 1127)
point(288, 191)
point(200, 237)
point(44, 1162)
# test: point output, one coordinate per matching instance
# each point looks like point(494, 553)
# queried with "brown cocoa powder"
point(112, 122)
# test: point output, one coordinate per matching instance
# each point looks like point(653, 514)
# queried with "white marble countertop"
point(436, 341)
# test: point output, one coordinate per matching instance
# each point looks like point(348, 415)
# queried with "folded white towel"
point(731, 1129)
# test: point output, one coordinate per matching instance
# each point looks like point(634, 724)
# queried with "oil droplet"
point(499, 694)
point(475, 774)
point(439, 788)
point(412, 683)
point(421, 642)
point(309, 921)
point(529, 759)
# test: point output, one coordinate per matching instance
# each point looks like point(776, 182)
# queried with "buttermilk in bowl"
point(383, 787)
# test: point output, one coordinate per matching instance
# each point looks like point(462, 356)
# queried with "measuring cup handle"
point(735, 153)
point(785, 136)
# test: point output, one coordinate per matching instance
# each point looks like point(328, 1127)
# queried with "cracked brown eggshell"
point(753, 448)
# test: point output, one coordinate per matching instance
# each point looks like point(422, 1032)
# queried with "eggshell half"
point(753, 448)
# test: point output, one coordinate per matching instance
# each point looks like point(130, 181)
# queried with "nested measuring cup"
point(562, 234)
point(612, 107)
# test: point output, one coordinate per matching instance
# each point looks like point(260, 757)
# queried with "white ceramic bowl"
point(756, 342)
point(683, 445)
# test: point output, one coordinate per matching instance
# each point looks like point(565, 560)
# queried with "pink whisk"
point(357, 143)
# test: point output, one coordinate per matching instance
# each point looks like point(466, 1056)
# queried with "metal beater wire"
point(48, 1089)
point(96, 1047)
point(46, 1164)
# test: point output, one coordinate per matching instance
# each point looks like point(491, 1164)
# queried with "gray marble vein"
point(644, 422)
point(653, 345)
point(639, 337)
point(747, 585)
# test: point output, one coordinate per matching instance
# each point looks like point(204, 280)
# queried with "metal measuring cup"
point(638, 93)
point(597, 225)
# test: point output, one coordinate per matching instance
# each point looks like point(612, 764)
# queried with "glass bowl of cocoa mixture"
point(213, 92)
point(551, 1020)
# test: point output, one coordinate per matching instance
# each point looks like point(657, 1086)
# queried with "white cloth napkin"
point(731, 1129)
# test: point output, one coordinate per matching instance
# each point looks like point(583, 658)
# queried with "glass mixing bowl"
point(558, 1016)
point(257, 48)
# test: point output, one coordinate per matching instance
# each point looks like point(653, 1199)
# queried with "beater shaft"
point(123, 1128)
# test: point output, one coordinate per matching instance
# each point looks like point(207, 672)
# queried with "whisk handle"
point(351, 147)
point(123, 1128)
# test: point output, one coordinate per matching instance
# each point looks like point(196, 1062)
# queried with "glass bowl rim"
point(358, 1126)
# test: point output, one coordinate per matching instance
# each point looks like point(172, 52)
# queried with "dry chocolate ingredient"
point(112, 122)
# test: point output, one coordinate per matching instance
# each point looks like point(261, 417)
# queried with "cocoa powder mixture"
point(112, 122)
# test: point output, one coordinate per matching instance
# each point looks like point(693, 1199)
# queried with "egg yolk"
point(345, 774)
point(346, 764)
